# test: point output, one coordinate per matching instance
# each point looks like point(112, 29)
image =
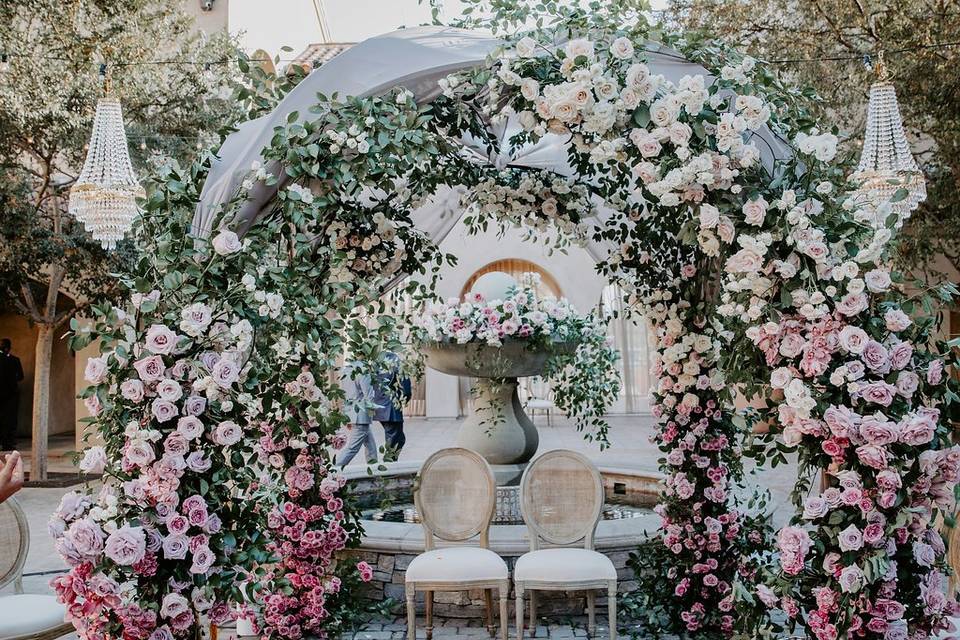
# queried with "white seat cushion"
point(564, 565)
point(540, 404)
point(457, 564)
point(23, 614)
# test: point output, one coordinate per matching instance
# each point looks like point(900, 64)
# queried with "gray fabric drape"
point(415, 59)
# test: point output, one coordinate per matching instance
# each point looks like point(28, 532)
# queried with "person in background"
point(11, 475)
point(357, 407)
point(11, 373)
point(389, 411)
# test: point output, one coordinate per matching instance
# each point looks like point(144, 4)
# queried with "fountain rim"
point(408, 538)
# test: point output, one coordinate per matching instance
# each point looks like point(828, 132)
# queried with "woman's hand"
point(11, 476)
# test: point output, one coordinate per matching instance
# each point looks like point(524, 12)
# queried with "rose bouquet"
point(582, 367)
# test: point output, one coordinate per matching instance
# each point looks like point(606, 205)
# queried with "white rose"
point(780, 377)
point(526, 47)
point(226, 242)
point(709, 216)
point(622, 49)
point(529, 88)
point(754, 211)
point(579, 47)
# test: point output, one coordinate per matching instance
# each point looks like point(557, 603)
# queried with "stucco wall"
point(62, 376)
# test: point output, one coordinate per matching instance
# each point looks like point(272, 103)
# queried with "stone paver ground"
point(630, 447)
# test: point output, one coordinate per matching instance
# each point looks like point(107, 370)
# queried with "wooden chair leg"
point(519, 590)
point(411, 614)
point(591, 614)
point(504, 614)
point(488, 611)
point(612, 609)
point(533, 613)
point(429, 606)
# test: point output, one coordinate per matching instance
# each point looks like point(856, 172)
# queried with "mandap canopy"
point(697, 180)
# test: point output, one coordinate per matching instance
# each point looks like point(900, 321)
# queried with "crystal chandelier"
point(104, 197)
point(886, 164)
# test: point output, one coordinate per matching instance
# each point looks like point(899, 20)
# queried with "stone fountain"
point(497, 427)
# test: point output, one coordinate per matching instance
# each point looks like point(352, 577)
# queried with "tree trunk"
point(41, 401)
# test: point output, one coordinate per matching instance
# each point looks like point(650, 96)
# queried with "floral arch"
point(699, 184)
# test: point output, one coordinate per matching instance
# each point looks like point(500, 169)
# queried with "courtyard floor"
point(630, 447)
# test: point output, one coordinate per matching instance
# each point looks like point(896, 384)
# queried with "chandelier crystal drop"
point(886, 164)
point(104, 197)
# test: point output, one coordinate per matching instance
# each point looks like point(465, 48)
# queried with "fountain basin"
point(497, 428)
point(389, 547)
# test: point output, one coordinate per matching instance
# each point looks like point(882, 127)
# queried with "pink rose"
point(225, 372)
point(743, 261)
point(126, 545)
point(873, 534)
point(173, 605)
point(878, 393)
point(876, 429)
point(900, 355)
point(919, 427)
point(177, 523)
point(853, 339)
point(872, 455)
point(163, 410)
point(852, 304)
point(793, 543)
point(94, 460)
point(139, 453)
point(754, 211)
point(96, 370)
point(160, 340)
point(815, 507)
point(86, 538)
point(907, 383)
point(896, 320)
point(877, 280)
point(843, 422)
point(132, 390)
point(366, 572)
point(203, 559)
point(850, 539)
point(93, 405)
point(935, 372)
point(150, 369)
point(176, 444)
point(227, 433)
point(876, 357)
point(175, 547)
point(190, 427)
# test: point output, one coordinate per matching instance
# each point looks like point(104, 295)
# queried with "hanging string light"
point(104, 197)
point(886, 164)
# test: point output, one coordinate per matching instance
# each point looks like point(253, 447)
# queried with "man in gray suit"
point(390, 393)
point(358, 409)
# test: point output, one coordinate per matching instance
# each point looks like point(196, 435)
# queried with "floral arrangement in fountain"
point(521, 315)
point(583, 367)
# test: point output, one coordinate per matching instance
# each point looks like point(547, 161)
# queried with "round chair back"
point(455, 495)
point(561, 496)
point(14, 542)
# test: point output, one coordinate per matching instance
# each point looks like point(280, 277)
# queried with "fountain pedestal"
point(497, 428)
